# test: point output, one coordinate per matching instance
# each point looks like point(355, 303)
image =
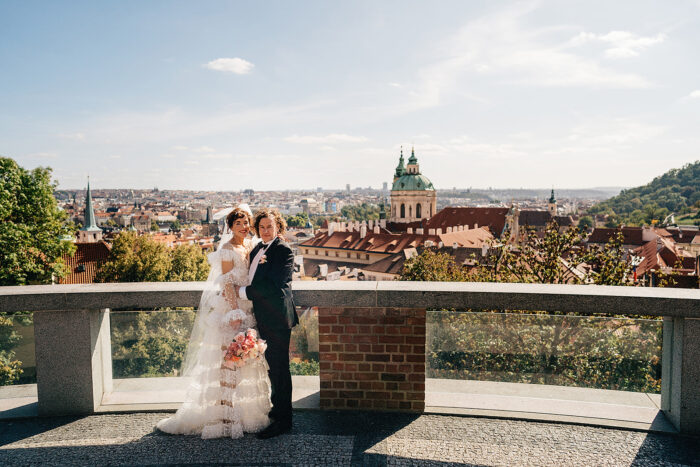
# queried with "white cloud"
point(203, 149)
point(231, 65)
point(328, 139)
point(622, 44)
point(78, 136)
point(695, 94)
point(180, 148)
point(395, 85)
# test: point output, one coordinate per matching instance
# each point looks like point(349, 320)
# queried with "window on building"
point(418, 210)
point(403, 211)
point(326, 252)
point(348, 255)
point(366, 256)
point(358, 256)
point(410, 211)
point(306, 251)
point(336, 254)
point(316, 252)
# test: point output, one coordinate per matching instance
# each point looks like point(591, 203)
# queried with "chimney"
point(376, 229)
point(454, 245)
point(419, 231)
point(371, 224)
point(448, 230)
point(382, 223)
point(331, 228)
point(431, 231)
point(438, 231)
point(440, 244)
point(476, 226)
point(409, 230)
point(461, 228)
point(484, 250)
point(363, 231)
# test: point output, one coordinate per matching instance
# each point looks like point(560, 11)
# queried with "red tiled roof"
point(631, 235)
point(83, 265)
point(493, 218)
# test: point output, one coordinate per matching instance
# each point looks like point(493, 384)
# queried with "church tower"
point(89, 233)
point(552, 205)
point(413, 197)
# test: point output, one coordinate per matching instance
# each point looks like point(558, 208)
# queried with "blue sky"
point(284, 95)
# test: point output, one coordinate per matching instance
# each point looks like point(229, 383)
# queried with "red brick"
point(397, 358)
point(325, 365)
point(391, 339)
point(404, 386)
point(377, 357)
point(324, 329)
point(392, 404)
point(361, 339)
point(419, 349)
point(399, 396)
point(351, 366)
point(405, 349)
point(419, 367)
point(338, 329)
point(393, 377)
point(419, 387)
point(336, 347)
point(392, 330)
point(405, 405)
point(350, 347)
point(345, 338)
point(338, 385)
point(338, 402)
point(365, 404)
point(378, 348)
point(328, 376)
point(418, 406)
point(377, 395)
point(324, 347)
point(416, 377)
point(347, 376)
point(363, 366)
point(323, 338)
point(415, 340)
point(344, 320)
point(394, 320)
point(326, 384)
point(414, 396)
point(365, 347)
point(378, 330)
point(392, 386)
point(392, 368)
point(378, 386)
point(350, 394)
point(352, 384)
point(352, 404)
point(351, 329)
point(366, 376)
point(420, 330)
point(328, 357)
point(338, 366)
point(414, 320)
point(327, 319)
point(328, 394)
point(379, 404)
point(392, 348)
point(352, 357)
point(364, 329)
point(415, 358)
point(405, 330)
point(378, 367)
point(326, 403)
point(364, 320)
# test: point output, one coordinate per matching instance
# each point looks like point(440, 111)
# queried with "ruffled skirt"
point(220, 401)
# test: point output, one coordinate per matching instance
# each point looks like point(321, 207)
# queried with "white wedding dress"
point(222, 402)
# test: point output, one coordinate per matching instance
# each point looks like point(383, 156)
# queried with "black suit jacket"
point(271, 288)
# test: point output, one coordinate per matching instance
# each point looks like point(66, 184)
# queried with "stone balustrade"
point(371, 334)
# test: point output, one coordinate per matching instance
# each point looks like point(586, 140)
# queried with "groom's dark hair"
point(273, 214)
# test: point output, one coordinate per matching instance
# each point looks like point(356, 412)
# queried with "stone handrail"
point(585, 299)
point(371, 335)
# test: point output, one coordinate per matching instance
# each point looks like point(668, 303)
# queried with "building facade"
point(413, 197)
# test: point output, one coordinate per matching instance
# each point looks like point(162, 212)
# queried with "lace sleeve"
point(226, 254)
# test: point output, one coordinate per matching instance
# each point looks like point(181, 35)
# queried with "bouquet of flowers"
point(244, 347)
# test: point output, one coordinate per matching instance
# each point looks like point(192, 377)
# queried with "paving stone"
point(340, 438)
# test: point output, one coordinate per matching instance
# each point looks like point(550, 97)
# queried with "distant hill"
point(677, 191)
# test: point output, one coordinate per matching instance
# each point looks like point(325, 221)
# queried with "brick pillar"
point(372, 358)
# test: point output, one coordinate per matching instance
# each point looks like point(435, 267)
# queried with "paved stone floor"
point(340, 438)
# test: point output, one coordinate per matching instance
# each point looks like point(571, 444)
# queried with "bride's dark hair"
point(237, 213)
point(273, 214)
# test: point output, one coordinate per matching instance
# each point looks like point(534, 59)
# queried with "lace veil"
point(210, 296)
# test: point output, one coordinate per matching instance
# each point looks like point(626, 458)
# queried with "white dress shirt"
point(254, 267)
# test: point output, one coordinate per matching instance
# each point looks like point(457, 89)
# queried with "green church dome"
point(413, 182)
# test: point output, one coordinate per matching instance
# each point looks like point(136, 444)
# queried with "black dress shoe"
point(275, 429)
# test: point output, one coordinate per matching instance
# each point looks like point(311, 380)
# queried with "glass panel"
point(149, 343)
point(303, 348)
point(592, 352)
point(17, 359)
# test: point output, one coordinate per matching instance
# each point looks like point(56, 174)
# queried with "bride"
point(220, 401)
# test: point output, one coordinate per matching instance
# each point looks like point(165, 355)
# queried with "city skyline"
point(225, 96)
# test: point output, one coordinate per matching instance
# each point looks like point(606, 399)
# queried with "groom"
point(270, 289)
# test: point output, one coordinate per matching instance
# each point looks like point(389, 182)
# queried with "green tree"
point(10, 368)
point(585, 223)
point(361, 212)
point(154, 226)
point(135, 259)
point(188, 263)
point(175, 225)
point(432, 265)
point(32, 227)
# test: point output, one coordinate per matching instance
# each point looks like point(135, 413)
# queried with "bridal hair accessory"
point(246, 208)
point(245, 346)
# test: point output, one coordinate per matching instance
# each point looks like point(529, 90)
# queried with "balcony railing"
point(372, 335)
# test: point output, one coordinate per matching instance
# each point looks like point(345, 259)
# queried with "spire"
point(413, 159)
point(210, 216)
point(400, 169)
point(551, 198)
point(89, 225)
